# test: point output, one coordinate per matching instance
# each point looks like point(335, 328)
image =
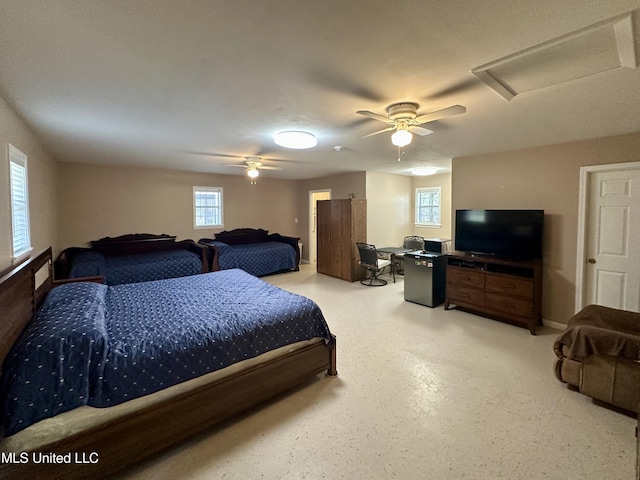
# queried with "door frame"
point(581, 244)
point(313, 240)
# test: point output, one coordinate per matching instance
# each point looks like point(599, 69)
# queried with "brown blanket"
point(598, 330)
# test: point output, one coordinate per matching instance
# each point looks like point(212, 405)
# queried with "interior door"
point(324, 236)
point(612, 233)
point(314, 197)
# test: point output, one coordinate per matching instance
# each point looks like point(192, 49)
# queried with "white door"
point(612, 239)
point(314, 196)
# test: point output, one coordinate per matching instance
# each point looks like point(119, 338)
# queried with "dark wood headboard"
point(22, 290)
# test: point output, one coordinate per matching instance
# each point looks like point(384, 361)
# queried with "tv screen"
point(505, 233)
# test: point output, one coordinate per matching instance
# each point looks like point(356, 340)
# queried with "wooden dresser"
point(507, 290)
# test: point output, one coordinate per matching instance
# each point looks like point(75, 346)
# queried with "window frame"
point(218, 190)
point(418, 192)
point(19, 159)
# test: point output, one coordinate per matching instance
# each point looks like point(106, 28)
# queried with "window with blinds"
point(19, 202)
point(207, 207)
point(428, 206)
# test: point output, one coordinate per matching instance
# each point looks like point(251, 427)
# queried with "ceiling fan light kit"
point(295, 139)
point(401, 138)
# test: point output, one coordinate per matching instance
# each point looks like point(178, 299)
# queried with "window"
point(207, 207)
point(19, 202)
point(428, 206)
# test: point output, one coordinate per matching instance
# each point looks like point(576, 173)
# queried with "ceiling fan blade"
point(213, 154)
point(375, 116)
point(420, 130)
point(266, 167)
point(233, 165)
point(438, 114)
point(376, 133)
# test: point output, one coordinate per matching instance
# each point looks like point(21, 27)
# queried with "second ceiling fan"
point(253, 165)
point(404, 119)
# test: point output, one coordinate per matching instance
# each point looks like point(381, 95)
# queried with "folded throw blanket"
point(598, 330)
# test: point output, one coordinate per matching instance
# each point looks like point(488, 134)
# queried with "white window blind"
point(19, 202)
point(428, 206)
point(207, 207)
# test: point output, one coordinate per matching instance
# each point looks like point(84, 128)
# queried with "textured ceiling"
point(167, 83)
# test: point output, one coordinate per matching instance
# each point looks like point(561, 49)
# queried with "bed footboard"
point(110, 447)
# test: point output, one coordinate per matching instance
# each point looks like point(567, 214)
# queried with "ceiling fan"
point(252, 166)
point(404, 119)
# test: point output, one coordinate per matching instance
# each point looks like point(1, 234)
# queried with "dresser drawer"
point(464, 295)
point(465, 276)
point(511, 305)
point(509, 285)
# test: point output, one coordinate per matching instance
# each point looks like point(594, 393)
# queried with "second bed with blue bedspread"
point(258, 259)
point(132, 268)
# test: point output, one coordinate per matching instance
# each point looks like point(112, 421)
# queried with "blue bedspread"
point(258, 259)
point(95, 345)
point(140, 267)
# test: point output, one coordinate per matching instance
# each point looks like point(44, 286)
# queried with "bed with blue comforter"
point(98, 345)
point(253, 250)
point(131, 258)
point(259, 259)
point(133, 268)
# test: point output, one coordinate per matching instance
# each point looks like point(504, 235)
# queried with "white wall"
point(389, 208)
point(41, 169)
point(444, 182)
point(97, 201)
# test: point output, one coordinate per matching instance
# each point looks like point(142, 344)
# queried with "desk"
point(393, 252)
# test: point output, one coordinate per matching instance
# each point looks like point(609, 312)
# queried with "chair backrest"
point(368, 254)
point(413, 241)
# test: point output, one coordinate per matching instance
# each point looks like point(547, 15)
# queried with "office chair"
point(411, 242)
point(369, 260)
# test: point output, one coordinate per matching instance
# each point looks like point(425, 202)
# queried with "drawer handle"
point(464, 295)
point(467, 279)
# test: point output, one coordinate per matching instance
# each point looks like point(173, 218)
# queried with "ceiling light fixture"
point(253, 173)
point(402, 137)
point(424, 171)
point(295, 139)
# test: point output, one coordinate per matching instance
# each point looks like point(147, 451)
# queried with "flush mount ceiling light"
point(295, 139)
point(424, 171)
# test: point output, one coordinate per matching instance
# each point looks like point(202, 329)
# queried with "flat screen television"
point(513, 234)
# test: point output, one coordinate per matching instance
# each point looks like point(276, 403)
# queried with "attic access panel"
point(603, 47)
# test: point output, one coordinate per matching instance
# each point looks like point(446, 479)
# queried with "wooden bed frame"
point(145, 432)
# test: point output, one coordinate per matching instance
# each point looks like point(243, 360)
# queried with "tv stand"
point(502, 289)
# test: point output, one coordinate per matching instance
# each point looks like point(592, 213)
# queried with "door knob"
point(592, 260)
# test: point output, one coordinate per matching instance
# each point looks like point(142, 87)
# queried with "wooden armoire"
point(341, 224)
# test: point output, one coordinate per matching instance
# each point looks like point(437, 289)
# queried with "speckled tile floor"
point(421, 394)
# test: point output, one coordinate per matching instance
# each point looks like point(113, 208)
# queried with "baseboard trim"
point(556, 325)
